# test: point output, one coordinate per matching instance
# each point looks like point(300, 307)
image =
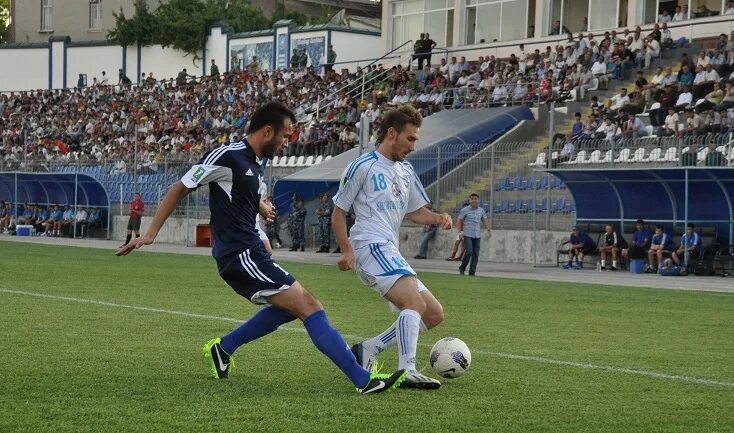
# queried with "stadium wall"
point(24, 68)
point(93, 60)
point(58, 63)
point(507, 246)
point(179, 231)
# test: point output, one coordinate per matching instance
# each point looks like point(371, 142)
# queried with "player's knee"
point(433, 316)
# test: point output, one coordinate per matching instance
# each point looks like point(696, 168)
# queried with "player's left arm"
point(424, 216)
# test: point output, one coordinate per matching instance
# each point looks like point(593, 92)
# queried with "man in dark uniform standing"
point(324, 212)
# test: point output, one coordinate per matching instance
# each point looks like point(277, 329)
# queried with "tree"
point(184, 24)
point(4, 18)
point(138, 29)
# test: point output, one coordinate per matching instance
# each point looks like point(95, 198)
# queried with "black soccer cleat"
point(383, 382)
point(220, 363)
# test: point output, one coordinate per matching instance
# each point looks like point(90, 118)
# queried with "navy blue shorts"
point(254, 275)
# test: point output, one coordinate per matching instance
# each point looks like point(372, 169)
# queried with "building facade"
point(459, 23)
point(90, 20)
point(82, 20)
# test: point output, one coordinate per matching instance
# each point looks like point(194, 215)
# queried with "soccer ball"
point(450, 357)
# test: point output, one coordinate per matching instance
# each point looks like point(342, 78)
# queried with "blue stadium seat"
point(558, 205)
point(543, 205)
point(543, 184)
point(529, 182)
point(519, 206)
point(504, 206)
point(503, 185)
point(517, 183)
point(531, 206)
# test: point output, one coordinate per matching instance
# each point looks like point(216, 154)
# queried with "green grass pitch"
point(591, 358)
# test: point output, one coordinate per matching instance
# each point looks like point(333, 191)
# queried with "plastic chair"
point(639, 155)
point(543, 184)
point(309, 161)
point(318, 160)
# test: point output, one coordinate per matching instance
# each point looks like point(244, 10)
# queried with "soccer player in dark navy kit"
point(233, 173)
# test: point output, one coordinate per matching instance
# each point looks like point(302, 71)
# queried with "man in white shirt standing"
point(382, 188)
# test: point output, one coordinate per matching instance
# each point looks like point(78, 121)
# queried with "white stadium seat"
point(291, 162)
point(671, 154)
point(309, 161)
point(595, 157)
point(702, 154)
point(539, 160)
point(318, 160)
point(624, 155)
point(580, 158)
point(639, 155)
point(607, 157)
point(654, 155)
point(301, 161)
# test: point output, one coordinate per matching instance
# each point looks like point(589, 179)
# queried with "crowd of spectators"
point(180, 119)
point(693, 102)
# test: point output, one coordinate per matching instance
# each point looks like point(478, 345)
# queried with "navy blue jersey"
point(233, 173)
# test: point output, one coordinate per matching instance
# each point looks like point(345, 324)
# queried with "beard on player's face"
point(271, 147)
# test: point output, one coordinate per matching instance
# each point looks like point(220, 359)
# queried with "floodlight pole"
point(76, 199)
point(685, 224)
point(548, 163)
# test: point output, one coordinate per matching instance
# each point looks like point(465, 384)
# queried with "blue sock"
point(262, 323)
point(330, 342)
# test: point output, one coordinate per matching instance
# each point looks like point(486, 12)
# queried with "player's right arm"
point(339, 224)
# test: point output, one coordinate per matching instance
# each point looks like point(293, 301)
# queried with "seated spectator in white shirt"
point(634, 128)
point(729, 8)
point(702, 59)
point(620, 100)
point(664, 17)
point(670, 126)
point(678, 15)
point(685, 98)
point(81, 219)
point(652, 51)
point(499, 94)
point(437, 97)
point(599, 69)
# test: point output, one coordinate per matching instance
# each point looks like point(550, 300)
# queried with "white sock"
point(407, 338)
point(614, 263)
point(603, 263)
point(388, 338)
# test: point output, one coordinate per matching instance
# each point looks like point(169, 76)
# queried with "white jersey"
point(381, 192)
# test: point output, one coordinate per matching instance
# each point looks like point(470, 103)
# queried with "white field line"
point(542, 360)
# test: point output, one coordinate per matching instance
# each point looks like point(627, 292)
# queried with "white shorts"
point(379, 266)
point(261, 233)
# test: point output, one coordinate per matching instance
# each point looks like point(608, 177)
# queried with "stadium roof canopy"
point(53, 188)
point(440, 132)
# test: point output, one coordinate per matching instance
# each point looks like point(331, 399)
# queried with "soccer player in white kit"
point(383, 188)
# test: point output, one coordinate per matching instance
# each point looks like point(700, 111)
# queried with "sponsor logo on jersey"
point(396, 191)
point(198, 174)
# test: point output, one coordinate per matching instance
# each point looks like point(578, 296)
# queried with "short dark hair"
point(473, 195)
point(659, 226)
point(272, 114)
point(691, 226)
point(397, 119)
